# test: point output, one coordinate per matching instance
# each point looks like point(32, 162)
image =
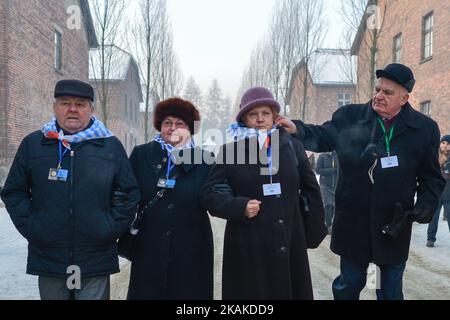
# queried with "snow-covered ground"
point(427, 274)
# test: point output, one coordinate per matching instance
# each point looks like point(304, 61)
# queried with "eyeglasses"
point(178, 125)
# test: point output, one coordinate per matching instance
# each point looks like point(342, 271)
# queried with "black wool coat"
point(73, 222)
point(264, 257)
point(363, 207)
point(173, 253)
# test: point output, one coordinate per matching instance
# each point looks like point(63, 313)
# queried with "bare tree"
point(365, 20)
point(311, 35)
point(108, 16)
point(193, 93)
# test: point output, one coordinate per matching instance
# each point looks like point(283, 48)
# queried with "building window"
point(131, 110)
point(58, 50)
point(427, 36)
point(344, 99)
point(397, 48)
point(425, 108)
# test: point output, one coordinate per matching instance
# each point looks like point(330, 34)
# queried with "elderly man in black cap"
point(387, 153)
point(71, 193)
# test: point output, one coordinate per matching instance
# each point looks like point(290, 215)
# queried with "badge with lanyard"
point(59, 174)
point(271, 189)
point(167, 183)
point(389, 161)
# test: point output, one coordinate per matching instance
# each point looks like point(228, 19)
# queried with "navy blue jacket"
point(73, 222)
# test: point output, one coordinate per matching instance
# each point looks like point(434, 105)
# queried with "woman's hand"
point(252, 208)
point(286, 123)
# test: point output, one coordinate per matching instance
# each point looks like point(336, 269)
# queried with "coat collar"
point(405, 119)
point(97, 142)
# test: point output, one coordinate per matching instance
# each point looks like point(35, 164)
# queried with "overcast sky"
point(214, 38)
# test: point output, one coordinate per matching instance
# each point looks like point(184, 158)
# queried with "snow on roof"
point(117, 69)
point(332, 66)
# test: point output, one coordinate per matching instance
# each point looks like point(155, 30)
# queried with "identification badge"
point(271, 189)
point(166, 183)
point(389, 162)
point(58, 175)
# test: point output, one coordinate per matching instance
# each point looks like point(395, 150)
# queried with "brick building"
point(415, 33)
point(41, 42)
point(124, 94)
point(330, 85)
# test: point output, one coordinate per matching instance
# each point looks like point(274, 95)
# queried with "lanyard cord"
point(61, 154)
point(387, 139)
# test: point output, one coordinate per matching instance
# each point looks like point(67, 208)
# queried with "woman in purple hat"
point(255, 185)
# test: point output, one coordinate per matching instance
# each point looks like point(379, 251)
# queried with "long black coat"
point(264, 257)
point(363, 208)
point(173, 253)
point(73, 222)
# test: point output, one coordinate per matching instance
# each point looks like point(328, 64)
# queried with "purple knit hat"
point(256, 97)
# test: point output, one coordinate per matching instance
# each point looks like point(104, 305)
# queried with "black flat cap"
point(74, 88)
point(398, 73)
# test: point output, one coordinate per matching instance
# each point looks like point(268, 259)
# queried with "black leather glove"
point(398, 223)
point(420, 215)
point(119, 198)
point(370, 153)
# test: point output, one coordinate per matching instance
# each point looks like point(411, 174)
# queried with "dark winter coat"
point(363, 208)
point(327, 166)
point(264, 257)
point(73, 222)
point(173, 253)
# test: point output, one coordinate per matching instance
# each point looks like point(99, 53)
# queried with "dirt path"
point(427, 274)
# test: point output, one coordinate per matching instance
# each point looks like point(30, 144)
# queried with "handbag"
point(314, 222)
point(125, 242)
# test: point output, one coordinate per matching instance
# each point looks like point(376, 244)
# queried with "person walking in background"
point(59, 194)
point(327, 167)
point(172, 257)
point(265, 247)
point(444, 201)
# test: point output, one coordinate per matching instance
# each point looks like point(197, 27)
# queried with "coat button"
point(158, 167)
point(283, 249)
point(164, 159)
point(281, 221)
point(169, 233)
point(170, 206)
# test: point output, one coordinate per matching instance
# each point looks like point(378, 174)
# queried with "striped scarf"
point(169, 148)
point(96, 131)
point(238, 132)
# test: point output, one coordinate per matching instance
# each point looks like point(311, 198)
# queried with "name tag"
point(58, 175)
point(389, 162)
point(271, 189)
point(166, 183)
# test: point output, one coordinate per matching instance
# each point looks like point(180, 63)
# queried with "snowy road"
point(427, 274)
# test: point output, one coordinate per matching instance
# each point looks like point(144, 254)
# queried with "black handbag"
point(315, 228)
point(125, 242)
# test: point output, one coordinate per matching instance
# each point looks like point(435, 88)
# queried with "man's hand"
point(286, 123)
point(252, 208)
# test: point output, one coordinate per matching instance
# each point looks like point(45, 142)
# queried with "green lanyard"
point(388, 140)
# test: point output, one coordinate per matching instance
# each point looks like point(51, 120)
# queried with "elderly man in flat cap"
point(59, 194)
point(387, 152)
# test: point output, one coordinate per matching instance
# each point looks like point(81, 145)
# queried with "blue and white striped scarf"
point(96, 131)
point(239, 132)
point(169, 148)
